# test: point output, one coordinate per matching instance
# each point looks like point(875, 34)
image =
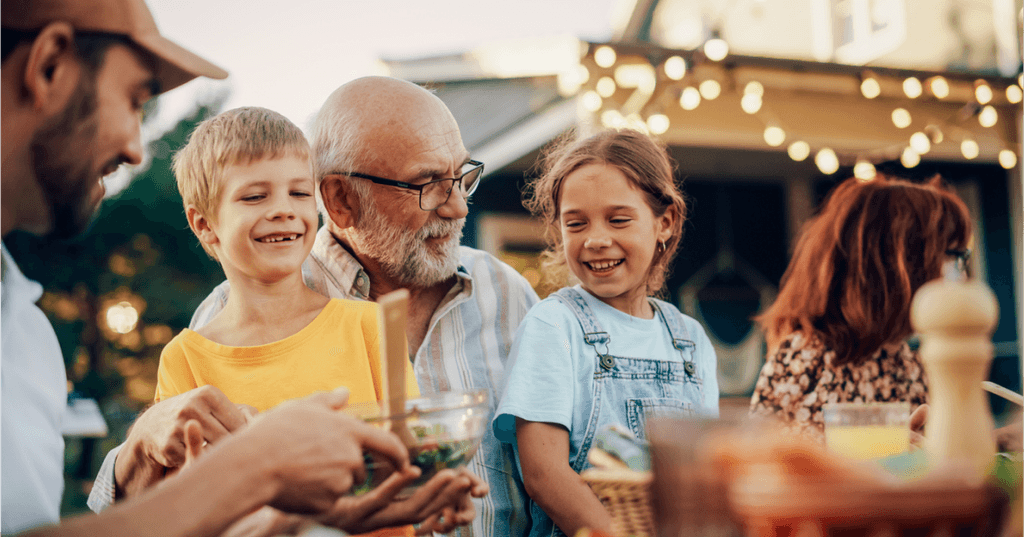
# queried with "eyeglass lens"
point(436, 194)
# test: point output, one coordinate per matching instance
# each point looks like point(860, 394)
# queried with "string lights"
point(686, 79)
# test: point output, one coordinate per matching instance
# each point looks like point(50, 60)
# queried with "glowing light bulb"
point(982, 92)
point(658, 123)
point(690, 98)
point(122, 317)
point(716, 49)
point(592, 102)
point(920, 142)
point(870, 88)
point(912, 87)
point(751, 103)
point(1014, 94)
point(988, 116)
point(799, 150)
point(939, 87)
point(774, 136)
point(864, 171)
point(675, 68)
point(606, 87)
point(604, 56)
point(612, 119)
point(1007, 159)
point(827, 161)
point(710, 89)
point(910, 158)
point(970, 149)
point(754, 88)
point(901, 118)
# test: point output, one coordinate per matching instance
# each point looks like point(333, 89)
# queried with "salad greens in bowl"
point(446, 428)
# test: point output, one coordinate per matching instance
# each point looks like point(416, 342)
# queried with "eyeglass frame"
point(476, 165)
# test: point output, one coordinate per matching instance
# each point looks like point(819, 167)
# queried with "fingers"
point(383, 494)
point(248, 412)
point(386, 444)
point(918, 418)
point(193, 441)
point(444, 489)
point(478, 487)
point(335, 399)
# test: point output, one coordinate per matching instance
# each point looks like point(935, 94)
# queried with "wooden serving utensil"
point(1005, 393)
point(394, 307)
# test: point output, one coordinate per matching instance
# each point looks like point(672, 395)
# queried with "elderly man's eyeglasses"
point(434, 194)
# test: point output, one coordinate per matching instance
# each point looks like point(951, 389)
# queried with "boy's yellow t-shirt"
point(340, 347)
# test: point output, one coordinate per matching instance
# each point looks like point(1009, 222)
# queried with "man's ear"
point(52, 70)
point(201, 226)
point(339, 200)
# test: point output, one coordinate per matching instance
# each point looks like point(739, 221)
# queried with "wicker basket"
point(626, 494)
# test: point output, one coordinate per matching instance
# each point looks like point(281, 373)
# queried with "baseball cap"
point(174, 64)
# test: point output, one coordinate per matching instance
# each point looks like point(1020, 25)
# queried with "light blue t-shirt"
point(551, 378)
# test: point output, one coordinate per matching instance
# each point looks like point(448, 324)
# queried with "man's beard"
point(61, 152)
point(405, 256)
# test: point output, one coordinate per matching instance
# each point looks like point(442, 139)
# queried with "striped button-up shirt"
point(466, 348)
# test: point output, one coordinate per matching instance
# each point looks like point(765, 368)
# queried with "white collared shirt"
point(33, 390)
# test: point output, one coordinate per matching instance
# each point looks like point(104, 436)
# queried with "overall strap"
point(677, 331)
point(593, 333)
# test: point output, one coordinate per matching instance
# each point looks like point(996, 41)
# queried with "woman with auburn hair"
point(837, 330)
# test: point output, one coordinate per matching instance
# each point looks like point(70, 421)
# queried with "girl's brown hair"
point(643, 161)
point(859, 262)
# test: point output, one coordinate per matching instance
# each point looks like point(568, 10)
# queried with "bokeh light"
point(710, 89)
point(604, 56)
point(969, 148)
point(1007, 159)
point(827, 161)
point(988, 116)
point(912, 87)
point(870, 88)
point(675, 68)
point(799, 150)
point(901, 118)
point(910, 158)
point(689, 98)
point(774, 136)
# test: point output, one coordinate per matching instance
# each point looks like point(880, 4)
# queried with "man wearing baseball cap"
point(75, 76)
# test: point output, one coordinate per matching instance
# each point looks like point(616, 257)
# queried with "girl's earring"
point(661, 247)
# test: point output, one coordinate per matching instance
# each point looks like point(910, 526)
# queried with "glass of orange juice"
point(867, 430)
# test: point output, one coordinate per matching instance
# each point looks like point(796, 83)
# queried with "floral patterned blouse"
point(799, 378)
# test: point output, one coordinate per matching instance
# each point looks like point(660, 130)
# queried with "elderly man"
point(75, 76)
point(393, 177)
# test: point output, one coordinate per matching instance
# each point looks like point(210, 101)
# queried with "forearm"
point(568, 500)
point(203, 500)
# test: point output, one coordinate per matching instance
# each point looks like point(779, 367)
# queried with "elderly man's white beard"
point(403, 255)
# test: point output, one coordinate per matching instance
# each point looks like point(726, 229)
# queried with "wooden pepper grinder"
point(956, 321)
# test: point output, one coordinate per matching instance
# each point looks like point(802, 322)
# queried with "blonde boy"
point(248, 190)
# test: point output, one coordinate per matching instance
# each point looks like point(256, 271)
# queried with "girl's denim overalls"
point(626, 389)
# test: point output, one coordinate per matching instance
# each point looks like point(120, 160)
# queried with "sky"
point(289, 55)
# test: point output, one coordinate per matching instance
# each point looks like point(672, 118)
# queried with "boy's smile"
point(610, 235)
point(266, 219)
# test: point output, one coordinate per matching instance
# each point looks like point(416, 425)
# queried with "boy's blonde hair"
point(238, 136)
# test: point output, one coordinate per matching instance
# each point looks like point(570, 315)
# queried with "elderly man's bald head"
point(365, 119)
